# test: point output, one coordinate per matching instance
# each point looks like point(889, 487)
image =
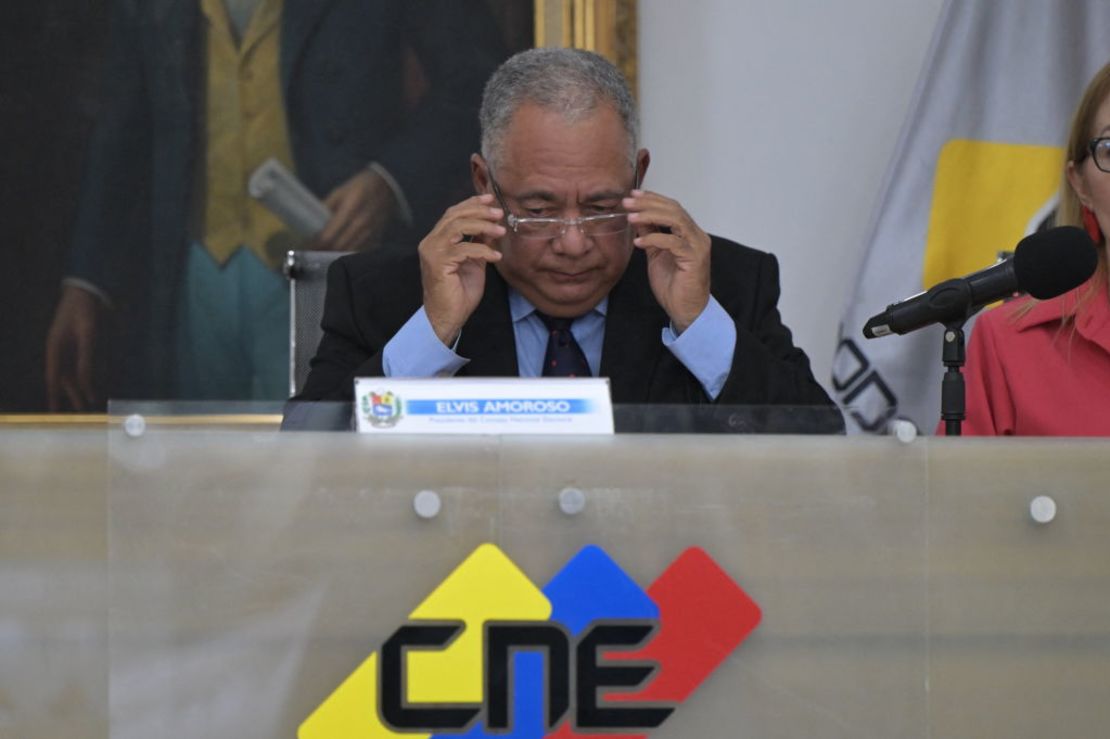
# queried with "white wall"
point(773, 123)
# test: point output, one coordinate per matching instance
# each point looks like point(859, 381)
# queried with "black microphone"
point(1045, 264)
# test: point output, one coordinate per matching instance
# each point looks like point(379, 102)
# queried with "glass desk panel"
point(1019, 610)
point(251, 573)
point(211, 576)
point(53, 584)
point(826, 534)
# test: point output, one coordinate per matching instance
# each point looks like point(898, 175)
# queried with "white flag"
point(977, 167)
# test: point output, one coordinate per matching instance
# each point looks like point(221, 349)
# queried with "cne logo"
point(488, 653)
point(381, 408)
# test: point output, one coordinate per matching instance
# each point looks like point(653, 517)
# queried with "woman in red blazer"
point(1042, 368)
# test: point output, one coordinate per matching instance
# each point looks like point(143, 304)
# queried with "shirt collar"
point(1093, 317)
point(520, 308)
point(1054, 309)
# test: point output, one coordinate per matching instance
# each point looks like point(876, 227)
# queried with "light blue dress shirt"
point(705, 348)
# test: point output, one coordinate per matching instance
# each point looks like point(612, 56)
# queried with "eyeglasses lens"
point(606, 225)
point(1102, 154)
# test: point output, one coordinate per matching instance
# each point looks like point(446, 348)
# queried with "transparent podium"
point(172, 578)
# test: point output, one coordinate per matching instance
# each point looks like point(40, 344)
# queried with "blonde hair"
point(1069, 211)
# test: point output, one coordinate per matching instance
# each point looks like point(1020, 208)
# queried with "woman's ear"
point(1079, 184)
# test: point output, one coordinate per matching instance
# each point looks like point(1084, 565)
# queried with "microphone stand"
point(952, 391)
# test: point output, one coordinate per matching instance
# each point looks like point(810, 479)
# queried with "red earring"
point(1091, 224)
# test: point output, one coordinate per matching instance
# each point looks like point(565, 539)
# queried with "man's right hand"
point(70, 351)
point(453, 260)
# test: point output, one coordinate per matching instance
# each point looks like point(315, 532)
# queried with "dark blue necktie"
point(564, 357)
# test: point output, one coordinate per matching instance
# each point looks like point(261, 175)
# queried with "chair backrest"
point(307, 272)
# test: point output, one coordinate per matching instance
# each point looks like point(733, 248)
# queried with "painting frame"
point(605, 26)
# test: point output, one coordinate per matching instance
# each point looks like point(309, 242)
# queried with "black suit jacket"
point(371, 295)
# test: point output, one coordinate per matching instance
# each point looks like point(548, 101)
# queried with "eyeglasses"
point(1099, 150)
point(605, 224)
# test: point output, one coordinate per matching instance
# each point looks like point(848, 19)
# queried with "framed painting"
point(54, 91)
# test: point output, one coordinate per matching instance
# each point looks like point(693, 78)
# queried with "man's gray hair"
point(572, 82)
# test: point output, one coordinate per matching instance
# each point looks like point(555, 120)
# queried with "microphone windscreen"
point(1049, 263)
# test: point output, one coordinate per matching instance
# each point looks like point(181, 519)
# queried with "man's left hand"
point(361, 209)
point(677, 254)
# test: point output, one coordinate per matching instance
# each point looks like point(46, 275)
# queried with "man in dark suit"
point(337, 106)
point(562, 265)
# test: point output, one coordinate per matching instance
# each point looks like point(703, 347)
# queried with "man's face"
point(552, 168)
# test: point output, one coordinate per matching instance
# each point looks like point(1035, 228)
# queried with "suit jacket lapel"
point(175, 30)
point(298, 20)
point(176, 26)
point(164, 12)
point(630, 352)
point(632, 346)
point(488, 339)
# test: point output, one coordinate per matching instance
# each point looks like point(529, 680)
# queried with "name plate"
point(510, 405)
